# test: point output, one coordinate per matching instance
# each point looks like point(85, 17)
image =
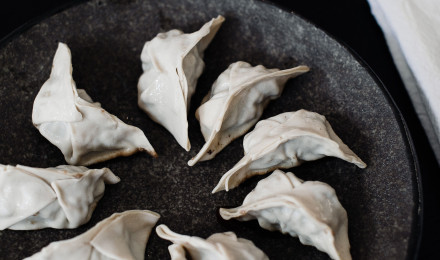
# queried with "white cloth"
point(412, 31)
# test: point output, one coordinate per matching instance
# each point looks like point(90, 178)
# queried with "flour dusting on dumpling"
point(285, 141)
point(221, 246)
point(83, 131)
point(121, 236)
point(236, 102)
point(172, 63)
point(308, 210)
point(60, 197)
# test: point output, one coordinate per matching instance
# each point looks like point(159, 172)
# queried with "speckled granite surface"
point(106, 39)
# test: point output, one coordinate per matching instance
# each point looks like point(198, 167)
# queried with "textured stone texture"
point(106, 39)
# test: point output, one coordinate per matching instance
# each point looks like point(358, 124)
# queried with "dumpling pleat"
point(308, 210)
point(120, 236)
point(172, 63)
point(236, 102)
point(285, 141)
point(83, 131)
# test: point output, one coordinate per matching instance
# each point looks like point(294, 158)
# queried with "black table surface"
point(351, 23)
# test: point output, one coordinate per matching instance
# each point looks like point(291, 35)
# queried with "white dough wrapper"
point(219, 246)
point(236, 102)
point(285, 141)
point(121, 236)
point(172, 63)
point(60, 197)
point(83, 131)
point(309, 210)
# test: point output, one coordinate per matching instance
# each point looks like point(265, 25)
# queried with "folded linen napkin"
point(412, 32)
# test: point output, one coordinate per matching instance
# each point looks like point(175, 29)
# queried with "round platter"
point(106, 39)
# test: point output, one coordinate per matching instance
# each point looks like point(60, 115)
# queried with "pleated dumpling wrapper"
point(60, 197)
point(172, 63)
point(221, 246)
point(309, 210)
point(236, 102)
point(285, 141)
point(119, 237)
point(83, 131)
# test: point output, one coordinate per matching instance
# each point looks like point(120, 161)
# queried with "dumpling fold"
point(83, 131)
point(121, 236)
point(309, 210)
point(172, 63)
point(285, 141)
point(236, 102)
point(221, 246)
point(60, 197)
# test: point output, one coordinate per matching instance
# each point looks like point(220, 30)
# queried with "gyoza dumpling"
point(61, 197)
point(221, 246)
point(172, 63)
point(119, 237)
point(309, 210)
point(83, 131)
point(235, 103)
point(285, 141)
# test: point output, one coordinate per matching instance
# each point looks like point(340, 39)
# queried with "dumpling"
point(222, 246)
point(61, 197)
point(285, 141)
point(83, 131)
point(172, 63)
point(235, 103)
point(119, 237)
point(309, 210)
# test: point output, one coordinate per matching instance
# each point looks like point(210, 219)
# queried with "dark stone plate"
point(106, 39)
